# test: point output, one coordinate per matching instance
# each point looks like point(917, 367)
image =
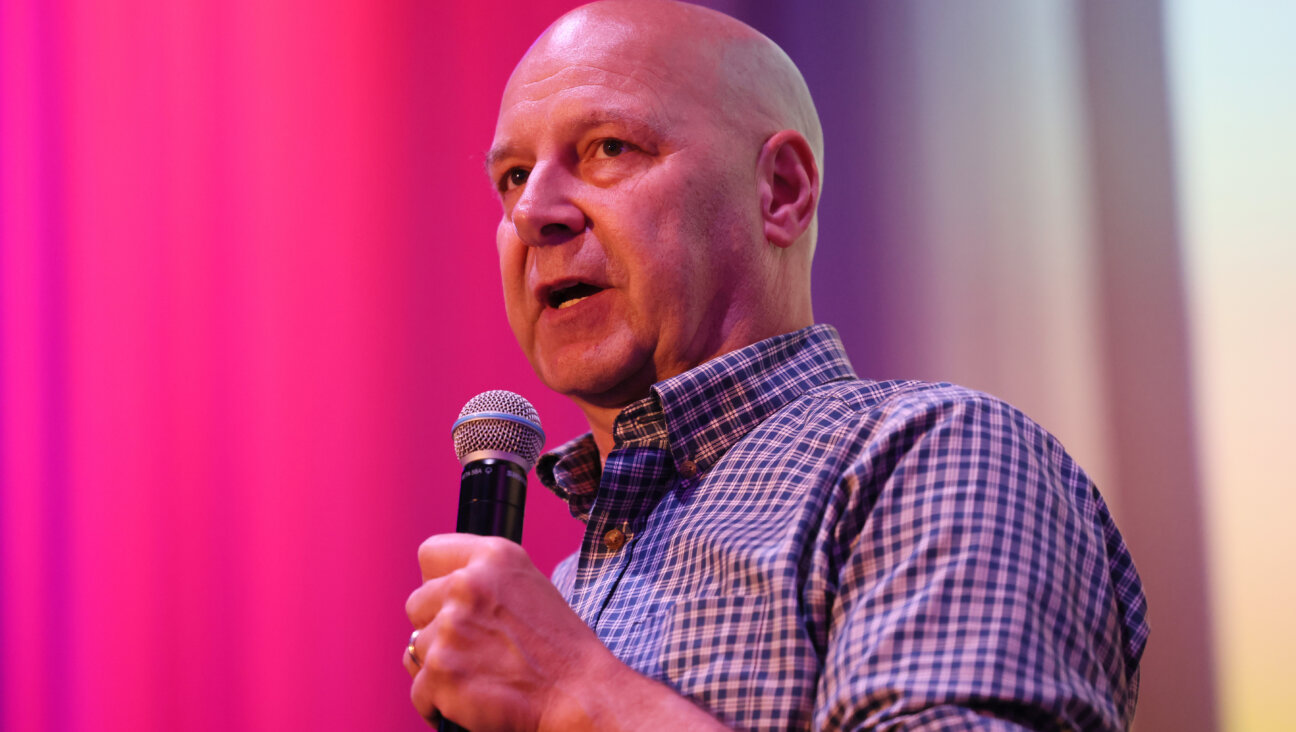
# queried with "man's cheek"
point(506, 239)
point(512, 262)
point(518, 317)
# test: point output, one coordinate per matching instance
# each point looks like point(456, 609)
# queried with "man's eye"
point(514, 178)
point(612, 147)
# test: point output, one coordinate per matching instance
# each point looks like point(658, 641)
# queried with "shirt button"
point(614, 539)
point(688, 469)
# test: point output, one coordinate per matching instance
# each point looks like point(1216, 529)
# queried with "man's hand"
point(500, 648)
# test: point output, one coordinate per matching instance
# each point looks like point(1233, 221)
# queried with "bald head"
point(721, 64)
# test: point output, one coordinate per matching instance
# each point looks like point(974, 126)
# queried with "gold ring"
point(413, 653)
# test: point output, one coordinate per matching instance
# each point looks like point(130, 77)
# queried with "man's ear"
point(787, 178)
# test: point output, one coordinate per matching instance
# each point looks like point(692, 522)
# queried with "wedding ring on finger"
point(412, 651)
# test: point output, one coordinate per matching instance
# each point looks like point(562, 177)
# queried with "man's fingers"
point(463, 576)
point(421, 695)
point(420, 691)
point(425, 602)
point(444, 553)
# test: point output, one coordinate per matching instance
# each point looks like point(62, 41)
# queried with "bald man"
point(771, 542)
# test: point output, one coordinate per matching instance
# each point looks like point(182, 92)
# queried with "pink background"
point(248, 283)
point(247, 280)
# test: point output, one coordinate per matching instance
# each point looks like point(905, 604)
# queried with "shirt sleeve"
point(564, 575)
point(974, 585)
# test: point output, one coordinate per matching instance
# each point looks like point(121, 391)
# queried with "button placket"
point(634, 478)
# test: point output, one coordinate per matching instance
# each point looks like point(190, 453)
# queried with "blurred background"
point(247, 280)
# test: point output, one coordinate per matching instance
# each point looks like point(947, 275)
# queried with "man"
point(771, 542)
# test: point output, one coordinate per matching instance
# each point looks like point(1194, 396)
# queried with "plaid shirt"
point(792, 547)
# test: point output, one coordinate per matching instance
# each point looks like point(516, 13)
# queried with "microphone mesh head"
point(499, 421)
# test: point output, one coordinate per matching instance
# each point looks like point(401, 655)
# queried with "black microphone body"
point(492, 496)
point(497, 439)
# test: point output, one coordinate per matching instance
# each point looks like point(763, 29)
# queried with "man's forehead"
point(568, 97)
point(537, 83)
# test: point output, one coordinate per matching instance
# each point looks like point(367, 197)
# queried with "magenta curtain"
point(246, 283)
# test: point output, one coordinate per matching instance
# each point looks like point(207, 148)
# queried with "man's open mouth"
point(565, 297)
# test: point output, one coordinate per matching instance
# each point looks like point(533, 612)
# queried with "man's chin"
point(604, 389)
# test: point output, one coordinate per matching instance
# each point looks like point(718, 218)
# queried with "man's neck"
point(601, 421)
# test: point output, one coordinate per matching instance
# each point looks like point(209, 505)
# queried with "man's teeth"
point(569, 303)
point(569, 296)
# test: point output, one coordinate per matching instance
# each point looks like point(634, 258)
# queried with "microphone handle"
point(492, 496)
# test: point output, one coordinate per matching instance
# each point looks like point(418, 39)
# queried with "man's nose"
point(546, 213)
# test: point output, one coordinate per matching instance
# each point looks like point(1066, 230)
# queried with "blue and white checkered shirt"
point(792, 547)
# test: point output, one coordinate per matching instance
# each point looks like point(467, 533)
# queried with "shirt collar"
point(701, 413)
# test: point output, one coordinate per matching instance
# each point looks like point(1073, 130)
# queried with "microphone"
point(497, 438)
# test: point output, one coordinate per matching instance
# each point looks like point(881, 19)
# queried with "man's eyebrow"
point(580, 124)
point(496, 154)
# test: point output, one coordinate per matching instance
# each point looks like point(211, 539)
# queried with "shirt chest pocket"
point(713, 649)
